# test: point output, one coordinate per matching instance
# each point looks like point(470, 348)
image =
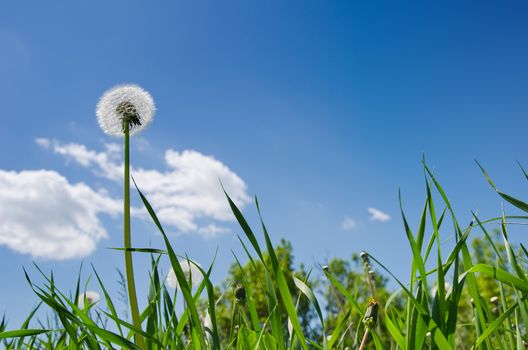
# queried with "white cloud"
point(378, 215)
point(212, 230)
point(47, 217)
point(43, 142)
point(104, 161)
point(186, 194)
point(348, 224)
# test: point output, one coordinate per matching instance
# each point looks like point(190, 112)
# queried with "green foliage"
point(251, 275)
point(353, 275)
point(468, 293)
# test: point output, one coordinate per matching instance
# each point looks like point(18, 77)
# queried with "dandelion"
point(88, 299)
point(206, 321)
point(240, 294)
point(207, 325)
point(369, 320)
point(124, 110)
point(125, 107)
point(192, 274)
point(371, 315)
point(447, 288)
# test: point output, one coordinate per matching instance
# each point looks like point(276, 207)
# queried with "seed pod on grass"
point(371, 315)
point(364, 256)
point(240, 294)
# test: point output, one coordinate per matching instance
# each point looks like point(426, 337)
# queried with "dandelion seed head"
point(88, 298)
point(434, 289)
point(192, 273)
point(125, 106)
point(207, 325)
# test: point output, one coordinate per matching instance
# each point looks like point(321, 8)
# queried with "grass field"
point(426, 312)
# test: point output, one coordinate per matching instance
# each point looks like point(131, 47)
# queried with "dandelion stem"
point(364, 340)
point(136, 320)
point(232, 325)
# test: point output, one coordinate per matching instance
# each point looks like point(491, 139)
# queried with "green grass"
point(411, 317)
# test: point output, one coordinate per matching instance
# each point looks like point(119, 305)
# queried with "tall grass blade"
point(180, 276)
point(492, 327)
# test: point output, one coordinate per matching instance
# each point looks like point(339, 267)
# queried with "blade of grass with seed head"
point(438, 337)
point(250, 302)
point(276, 322)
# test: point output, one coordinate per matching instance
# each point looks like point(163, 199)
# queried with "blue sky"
point(322, 109)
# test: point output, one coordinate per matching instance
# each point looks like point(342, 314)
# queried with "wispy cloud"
point(45, 216)
point(186, 196)
point(378, 215)
point(348, 224)
point(105, 164)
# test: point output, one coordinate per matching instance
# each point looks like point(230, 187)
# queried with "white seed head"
point(125, 105)
point(447, 288)
point(193, 275)
point(207, 325)
point(88, 298)
point(206, 320)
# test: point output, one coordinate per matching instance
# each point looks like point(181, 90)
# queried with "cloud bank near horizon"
point(46, 216)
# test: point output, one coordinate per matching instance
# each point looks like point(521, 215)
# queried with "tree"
point(231, 312)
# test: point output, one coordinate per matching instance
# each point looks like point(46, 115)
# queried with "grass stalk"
point(364, 340)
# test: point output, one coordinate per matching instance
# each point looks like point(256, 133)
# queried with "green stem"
point(245, 317)
point(232, 326)
point(136, 320)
